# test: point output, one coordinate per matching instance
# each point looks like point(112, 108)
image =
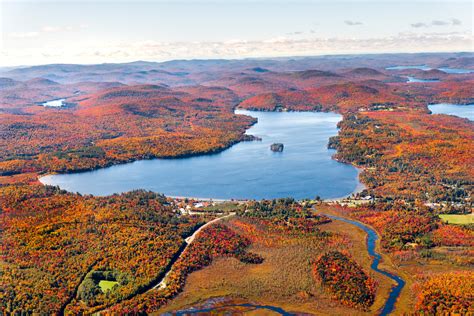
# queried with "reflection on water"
point(426, 68)
point(54, 103)
point(248, 170)
point(413, 79)
point(466, 111)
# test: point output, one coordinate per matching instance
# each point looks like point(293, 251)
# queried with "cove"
point(247, 170)
point(461, 110)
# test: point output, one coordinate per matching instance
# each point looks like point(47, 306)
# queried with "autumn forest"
point(141, 252)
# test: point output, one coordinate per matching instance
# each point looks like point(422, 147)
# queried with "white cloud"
point(456, 22)
point(273, 47)
point(294, 33)
point(352, 23)
point(440, 23)
point(450, 22)
point(235, 41)
point(283, 46)
point(419, 24)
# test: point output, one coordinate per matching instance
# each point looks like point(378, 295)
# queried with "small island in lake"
point(277, 147)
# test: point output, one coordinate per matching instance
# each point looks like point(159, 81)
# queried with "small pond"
point(54, 103)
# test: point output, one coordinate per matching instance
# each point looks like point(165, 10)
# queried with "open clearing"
point(107, 285)
point(458, 219)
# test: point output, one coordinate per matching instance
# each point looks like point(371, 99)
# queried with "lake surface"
point(413, 79)
point(456, 70)
point(54, 103)
point(425, 67)
point(421, 67)
point(247, 170)
point(466, 111)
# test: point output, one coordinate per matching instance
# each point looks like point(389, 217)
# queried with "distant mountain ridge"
point(190, 72)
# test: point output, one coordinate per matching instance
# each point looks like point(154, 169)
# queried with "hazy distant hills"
point(237, 80)
point(189, 72)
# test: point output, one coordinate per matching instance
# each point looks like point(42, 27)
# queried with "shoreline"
point(359, 186)
point(358, 189)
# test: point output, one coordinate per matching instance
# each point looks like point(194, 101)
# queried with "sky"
point(97, 31)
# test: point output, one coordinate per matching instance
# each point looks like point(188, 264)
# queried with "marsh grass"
point(284, 279)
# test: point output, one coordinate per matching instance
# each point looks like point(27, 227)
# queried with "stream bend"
point(376, 257)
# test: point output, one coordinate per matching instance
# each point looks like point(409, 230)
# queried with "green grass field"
point(224, 206)
point(459, 219)
point(106, 285)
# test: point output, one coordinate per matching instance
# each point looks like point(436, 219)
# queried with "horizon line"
point(240, 58)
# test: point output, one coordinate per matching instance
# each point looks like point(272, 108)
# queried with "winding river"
point(247, 170)
point(376, 257)
point(223, 309)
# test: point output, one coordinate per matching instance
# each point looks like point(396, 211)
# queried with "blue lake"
point(247, 170)
point(466, 111)
point(425, 67)
point(421, 67)
point(456, 70)
point(413, 79)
